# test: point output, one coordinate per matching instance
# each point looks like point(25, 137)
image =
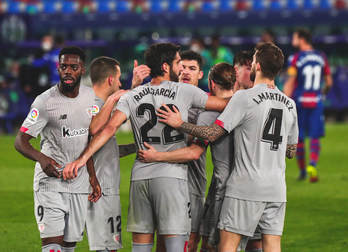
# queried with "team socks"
point(314, 152)
point(177, 243)
point(300, 155)
point(68, 249)
point(142, 247)
point(52, 248)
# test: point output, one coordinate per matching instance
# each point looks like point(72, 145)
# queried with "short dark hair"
point(243, 58)
point(270, 58)
point(305, 34)
point(158, 54)
point(192, 55)
point(75, 50)
point(223, 74)
point(101, 68)
point(59, 40)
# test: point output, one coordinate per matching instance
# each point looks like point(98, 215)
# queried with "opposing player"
point(307, 71)
point(103, 224)
point(159, 192)
point(265, 132)
point(61, 115)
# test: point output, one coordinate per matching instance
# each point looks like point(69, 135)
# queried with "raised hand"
point(139, 74)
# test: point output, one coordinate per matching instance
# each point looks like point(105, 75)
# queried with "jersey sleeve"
point(292, 69)
point(123, 105)
point(36, 119)
point(326, 68)
point(234, 113)
point(198, 96)
point(293, 134)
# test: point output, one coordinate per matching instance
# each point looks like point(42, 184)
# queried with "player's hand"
point(96, 190)
point(172, 118)
point(117, 95)
point(70, 170)
point(48, 166)
point(139, 74)
point(147, 156)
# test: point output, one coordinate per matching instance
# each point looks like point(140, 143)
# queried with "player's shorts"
point(196, 210)
point(103, 223)
point(310, 122)
point(161, 203)
point(243, 217)
point(60, 214)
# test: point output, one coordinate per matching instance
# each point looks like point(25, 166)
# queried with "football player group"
point(249, 124)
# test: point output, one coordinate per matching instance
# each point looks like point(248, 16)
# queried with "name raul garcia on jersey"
point(158, 91)
point(67, 132)
point(273, 96)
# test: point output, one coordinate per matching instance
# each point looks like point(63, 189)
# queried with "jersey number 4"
point(167, 136)
point(272, 128)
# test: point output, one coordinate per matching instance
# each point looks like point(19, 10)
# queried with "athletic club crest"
point(117, 238)
point(41, 227)
point(89, 112)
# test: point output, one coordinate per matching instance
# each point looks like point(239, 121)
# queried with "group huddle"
point(249, 124)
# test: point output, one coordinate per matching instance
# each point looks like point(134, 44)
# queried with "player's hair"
point(73, 50)
point(243, 58)
point(158, 54)
point(59, 40)
point(304, 34)
point(101, 68)
point(223, 74)
point(192, 55)
point(270, 58)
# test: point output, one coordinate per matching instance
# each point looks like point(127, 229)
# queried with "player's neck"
point(224, 93)
point(259, 80)
point(100, 93)
point(306, 47)
point(68, 92)
point(157, 80)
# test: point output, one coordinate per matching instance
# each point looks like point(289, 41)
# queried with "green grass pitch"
point(316, 215)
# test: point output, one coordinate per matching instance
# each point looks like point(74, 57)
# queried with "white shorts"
point(197, 206)
point(103, 223)
point(60, 214)
point(161, 203)
point(243, 217)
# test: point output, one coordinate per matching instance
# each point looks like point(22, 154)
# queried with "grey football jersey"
point(197, 180)
point(63, 124)
point(264, 122)
point(140, 106)
point(222, 153)
point(106, 160)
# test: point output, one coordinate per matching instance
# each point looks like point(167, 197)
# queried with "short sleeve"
point(292, 69)
point(326, 69)
point(123, 105)
point(37, 118)
point(198, 96)
point(234, 113)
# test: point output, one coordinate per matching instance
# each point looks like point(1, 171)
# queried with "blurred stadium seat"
point(122, 6)
point(69, 6)
point(259, 5)
point(275, 5)
point(174, 6)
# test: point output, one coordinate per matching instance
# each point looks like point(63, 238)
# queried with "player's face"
point(243, 77)
point(253, 69)
point(175, 69)
point(70, 70)
point(190, 73)
point(295, 40)
point(116, 83)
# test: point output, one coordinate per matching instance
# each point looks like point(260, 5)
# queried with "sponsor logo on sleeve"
point(33, 115)
point(95, 110)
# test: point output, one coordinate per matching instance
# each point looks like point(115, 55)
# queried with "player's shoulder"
point(86, 89)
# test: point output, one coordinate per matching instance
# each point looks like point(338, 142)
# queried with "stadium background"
point(316, 217)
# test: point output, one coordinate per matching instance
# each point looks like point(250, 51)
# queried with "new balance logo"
point(62, 117)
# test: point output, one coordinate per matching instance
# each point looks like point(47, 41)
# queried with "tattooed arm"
point(127, 149)
point(291, 150)
point(210, 133)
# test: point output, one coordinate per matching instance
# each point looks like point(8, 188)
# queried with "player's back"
point(309, 67)
point(267, 122)
point(140, 106)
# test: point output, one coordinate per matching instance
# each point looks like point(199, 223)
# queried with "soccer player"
point(159, 193)
point(103, 223)
point(307, 71)
point(61, 115)
point(265, 128)
point(242, 65)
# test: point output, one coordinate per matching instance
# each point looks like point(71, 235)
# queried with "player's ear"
point(165, 68)
point(200, 75)
point(83, 70)
point(110, 80)
point(236, 71)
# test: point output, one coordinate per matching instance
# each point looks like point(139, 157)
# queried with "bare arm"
point(173, 118)
point(193, 152)
point(104, 115)
point(289, 86)
point(96, 143)
point(23, 146)
point(291, 150)
point(127, 149)
point(328, 84)
point(96, 190)
point(216, 104)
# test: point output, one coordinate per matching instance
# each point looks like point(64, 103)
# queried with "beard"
point(253, 75)
point(173, 76)
point(69, 88)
